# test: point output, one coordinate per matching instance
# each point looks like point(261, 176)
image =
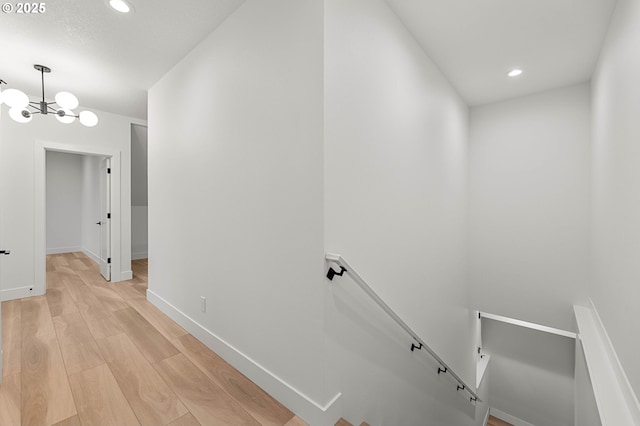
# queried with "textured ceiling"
point(475, 42)
point(107, 59)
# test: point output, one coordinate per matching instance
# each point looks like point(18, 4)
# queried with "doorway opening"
point(139, 203)
point(78, 214)
point(107, 252)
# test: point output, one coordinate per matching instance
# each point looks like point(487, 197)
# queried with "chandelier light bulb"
point(88, 118)
point(14, 98)
point(65, 116)
point(67, 100)
point(20, 115)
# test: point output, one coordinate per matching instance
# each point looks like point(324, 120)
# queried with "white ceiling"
point(110, 60)
point(107, 59)
point(475, 42)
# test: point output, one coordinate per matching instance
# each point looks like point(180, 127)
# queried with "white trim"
point(508, 418)
point(631, 397)
point(615, 398)
point(307, 409)
point(486, 417)
point(481, 368)
point(531, 325)
point(17, 293)
point(61, 250)
point(124, 276)
point(91, 255)
point(39, 226)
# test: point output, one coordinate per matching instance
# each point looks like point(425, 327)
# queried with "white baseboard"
point(91, 255)
point(508, 417)
point(486, 417)
point(124, 276)
point(139, 255)
point(18, 293)
point(310, 411)
point(60, 250)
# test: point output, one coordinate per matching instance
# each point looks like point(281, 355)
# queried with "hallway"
point(91, 352)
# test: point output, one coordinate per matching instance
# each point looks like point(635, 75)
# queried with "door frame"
point(40, 217)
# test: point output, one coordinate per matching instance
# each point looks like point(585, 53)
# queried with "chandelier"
point(22, 110)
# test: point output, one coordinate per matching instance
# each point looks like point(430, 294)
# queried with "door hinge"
point(108, 260)
point(108, 170)
point(108, 215)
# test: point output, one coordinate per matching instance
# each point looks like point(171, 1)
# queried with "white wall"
point(529, 175)
point(139, 154)
point(139, 193)
point(19, 143)
point(531, 373)
point(64, 202)
point(236, 196)
point(616, 183)
point(395, 176)
point(91, 206)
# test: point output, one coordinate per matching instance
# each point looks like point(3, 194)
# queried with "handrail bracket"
point(332, 272)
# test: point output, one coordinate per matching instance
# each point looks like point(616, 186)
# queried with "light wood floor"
point(494, 421)
point(94, 353)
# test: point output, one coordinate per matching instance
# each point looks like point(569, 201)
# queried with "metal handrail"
point(444, 368)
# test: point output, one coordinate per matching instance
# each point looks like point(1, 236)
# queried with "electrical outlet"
point(203, 304)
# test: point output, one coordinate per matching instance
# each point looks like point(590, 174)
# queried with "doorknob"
point(98, 223)
point(5, 252)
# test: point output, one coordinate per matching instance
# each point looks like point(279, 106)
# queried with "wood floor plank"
point(90, 277)
point(153, 402)
point(160, 321)
point(55, 279)
point(151, 343)
point(256, 401)
point(71, 421)
point(78, 265)
point(186, 420)
point(10, 400)
point(99, 398)
point(109, 298)
point(208, 403)
point(79, 349)
point(102, 327)
point(60, 301)
point(45, 393)
point(11, 341)
point(127, 290)
point(79, 291)
point(296, 421)
point(72, 330)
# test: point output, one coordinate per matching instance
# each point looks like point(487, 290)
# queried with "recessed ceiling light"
point(121, 6)
point(515, 72)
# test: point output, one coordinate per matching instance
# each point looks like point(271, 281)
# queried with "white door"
point(105, 218)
